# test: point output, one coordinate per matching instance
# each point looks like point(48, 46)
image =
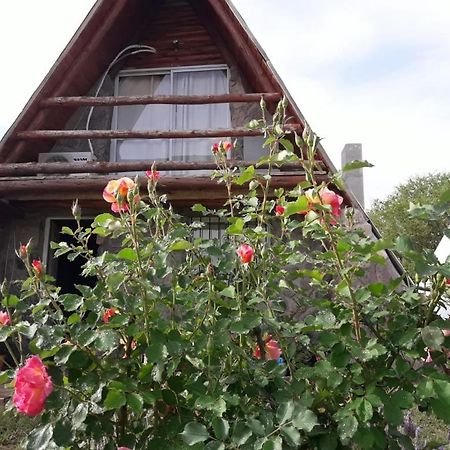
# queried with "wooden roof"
point(107, 29)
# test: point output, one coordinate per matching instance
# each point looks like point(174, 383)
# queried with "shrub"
point(267, 338)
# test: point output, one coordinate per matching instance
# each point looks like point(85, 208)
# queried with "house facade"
point(141, 81)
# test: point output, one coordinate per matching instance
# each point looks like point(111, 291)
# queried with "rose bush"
point(267, 337)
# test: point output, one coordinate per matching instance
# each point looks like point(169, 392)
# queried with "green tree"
point(392, 218)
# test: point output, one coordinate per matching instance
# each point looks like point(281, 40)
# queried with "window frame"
point(158, 71)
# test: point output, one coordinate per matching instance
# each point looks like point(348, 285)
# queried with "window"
point(181, 81)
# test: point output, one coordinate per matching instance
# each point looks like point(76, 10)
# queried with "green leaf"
point(10, 301)
point(194, 433)
point(5, 332)
point(441, 406)
point(63, 433)
point(404, 399)
point(40, 438)
point(393, 413)
point(284, 412)
point(432, 337)
point(441, 410)
point(128, 254)
point(347, 427)
point(364, 411)
point(215, 445)
point(246, 323)
point(403, 244)
point(180, 244)
point(199, 208)
point(305, 420)
point(300, 205)
point(71, 302)
point(236, 227)
point(79, 415)
point(106, 341)
point(354, 165)
point(246, 176)
point(103, 220)
point(221, 428)
point(275, 443)
point(229, 292)
point(256, 426)
point(241, 434)
point(135, 402)
point(292, 435)
point(114, 399)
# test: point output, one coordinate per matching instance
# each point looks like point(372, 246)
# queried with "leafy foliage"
point(391, 215)
point(189, 357)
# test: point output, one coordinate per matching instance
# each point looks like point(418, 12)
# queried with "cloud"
point(370, 72)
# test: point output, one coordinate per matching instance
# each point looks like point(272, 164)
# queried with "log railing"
point(74, 102)
point(136, 134)
point(106, 167)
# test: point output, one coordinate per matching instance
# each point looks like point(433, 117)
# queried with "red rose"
point(245, 253)
point(111, 312)
point(279, 210)
point(271, 348)
point(37, 267)
point(152, 175)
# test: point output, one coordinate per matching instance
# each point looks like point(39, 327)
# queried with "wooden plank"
point(73, 102)
point(28, 169)
point(135, 134)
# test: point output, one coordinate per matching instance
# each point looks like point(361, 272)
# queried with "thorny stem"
point(339, 263)
point(134, 237)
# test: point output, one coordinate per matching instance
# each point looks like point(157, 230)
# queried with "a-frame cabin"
point(141, 81)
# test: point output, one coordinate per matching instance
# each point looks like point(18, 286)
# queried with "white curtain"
point(199, 117)
point(144, 117)
point(172, 117)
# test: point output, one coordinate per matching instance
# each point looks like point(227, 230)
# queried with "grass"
point(431, 429)
point(13, 429)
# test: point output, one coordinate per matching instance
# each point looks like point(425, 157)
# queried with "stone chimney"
point(354, 179)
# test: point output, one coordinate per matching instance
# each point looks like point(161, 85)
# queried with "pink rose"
point(33, 386)
point(245, 253)
point(221, 147)
point(116, 193)
point(123, 448)
point(446, 333)
point(271, 348)
point(326, 197)
point(331, 198)
point(4, 318)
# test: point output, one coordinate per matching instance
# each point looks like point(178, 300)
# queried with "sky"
point(377, 73)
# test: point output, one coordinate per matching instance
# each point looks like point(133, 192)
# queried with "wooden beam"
point(135, 134)
point(74, 102)
point(92, 186)
point(106, 167)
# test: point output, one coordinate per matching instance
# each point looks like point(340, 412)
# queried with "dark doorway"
point(68, 273)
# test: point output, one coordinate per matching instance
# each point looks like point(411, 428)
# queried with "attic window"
point(207, 80)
